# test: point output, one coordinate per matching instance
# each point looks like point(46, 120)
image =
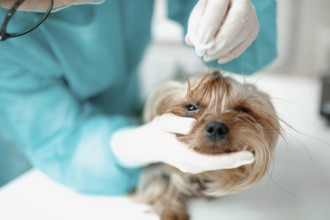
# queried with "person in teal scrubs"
point(70, 85)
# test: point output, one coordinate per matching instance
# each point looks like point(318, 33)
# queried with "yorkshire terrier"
point(231, 116)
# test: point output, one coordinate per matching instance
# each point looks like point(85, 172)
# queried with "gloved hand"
point(222, 29)
point(156, 142)
point(40, 6)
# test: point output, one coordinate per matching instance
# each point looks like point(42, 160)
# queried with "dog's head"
point(231, 116)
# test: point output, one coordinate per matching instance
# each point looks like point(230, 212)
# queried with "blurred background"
point(304, 50)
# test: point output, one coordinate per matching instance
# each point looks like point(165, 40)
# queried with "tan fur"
point(253, 126)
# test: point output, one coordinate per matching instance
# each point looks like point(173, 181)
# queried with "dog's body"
point(230, 117)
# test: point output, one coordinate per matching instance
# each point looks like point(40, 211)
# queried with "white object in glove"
point(156, 142)
point(222, 29)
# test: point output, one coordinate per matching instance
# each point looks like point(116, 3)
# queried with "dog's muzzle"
point(216, 131)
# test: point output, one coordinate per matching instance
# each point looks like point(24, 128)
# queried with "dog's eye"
point(191, 107)
point(242, 109)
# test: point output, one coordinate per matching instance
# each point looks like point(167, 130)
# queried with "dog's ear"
point(159, 97)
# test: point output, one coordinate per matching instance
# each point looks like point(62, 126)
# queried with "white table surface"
point(296, 188)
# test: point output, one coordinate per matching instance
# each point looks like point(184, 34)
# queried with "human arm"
point(63, 62)
point(64, 137)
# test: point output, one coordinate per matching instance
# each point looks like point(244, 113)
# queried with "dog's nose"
point(216, 131)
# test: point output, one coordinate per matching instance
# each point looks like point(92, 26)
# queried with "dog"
point(231, 116)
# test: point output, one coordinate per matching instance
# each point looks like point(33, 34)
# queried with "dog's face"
point(231, 116)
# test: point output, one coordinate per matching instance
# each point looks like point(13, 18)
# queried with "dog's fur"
point(252, 124)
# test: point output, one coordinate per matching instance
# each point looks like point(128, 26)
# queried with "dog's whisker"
point(270, 174)
point(311, 136)
point(279, 186)
point(272, 165)
point(303, 145)
point(281, 100)
point(291, 128)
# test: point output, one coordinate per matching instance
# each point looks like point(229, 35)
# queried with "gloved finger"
point(211, 20)
point(174, 124)
point(194, 19)
point(227, 161)
point(241, 43)
point(242, 158)
point(240, 21)
point(219, 50)
point(218, 162)
point(236, 52)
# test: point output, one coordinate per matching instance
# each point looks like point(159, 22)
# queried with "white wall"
point(311, 44)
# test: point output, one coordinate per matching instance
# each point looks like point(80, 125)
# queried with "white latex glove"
point(156, 142)
point(222, 29)
point(42, 5)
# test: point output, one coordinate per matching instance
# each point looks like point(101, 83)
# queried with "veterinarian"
point(69, 95)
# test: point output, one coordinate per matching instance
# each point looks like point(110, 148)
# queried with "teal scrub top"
point(68, 85)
